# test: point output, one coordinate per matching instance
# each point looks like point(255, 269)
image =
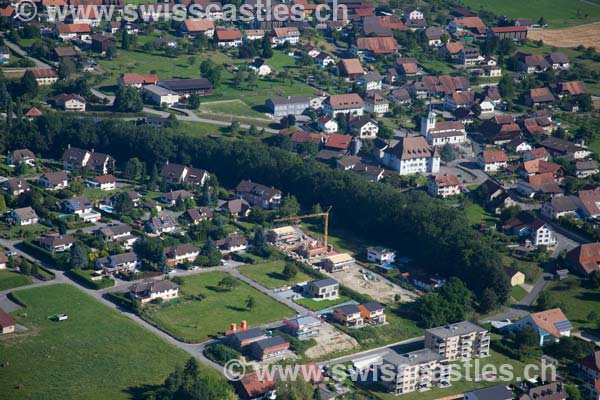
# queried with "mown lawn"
point(317, 305)
point(270, 274)
point(198, 320)
point(557, 13)
point(231, 107)
point(518, 293)
point(576, 301)
point(96, 354)
point(10, 279)
point(476, 214)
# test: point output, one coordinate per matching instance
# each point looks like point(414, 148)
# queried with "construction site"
point(300, 245)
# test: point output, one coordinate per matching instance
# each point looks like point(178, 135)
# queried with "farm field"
point(588, 36)
point(557, 13)
point(10, 279)
point(95, 354)
point(270, 274)
point(198, 319)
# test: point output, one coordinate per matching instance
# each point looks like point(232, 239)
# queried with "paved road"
point(17, 49)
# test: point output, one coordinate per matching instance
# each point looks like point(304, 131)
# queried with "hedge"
point(83, 277)
point(60, 260)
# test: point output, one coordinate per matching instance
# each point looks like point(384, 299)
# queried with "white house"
point(54, 181)
point(412, 155)
point(380, 255)
point(118, 263)
point(542, 234)
point(283, 35)
point(83, 208)
point(103, 182)
point(148, 291)
point(365, 127)
point(350, 103)
point(23, 216)
point(327, 124)
point(493, 160)
point(445, 185)
point(260, 67)
point(376, 104)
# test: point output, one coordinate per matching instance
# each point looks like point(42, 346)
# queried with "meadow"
point(96, 354)
point(205, 310)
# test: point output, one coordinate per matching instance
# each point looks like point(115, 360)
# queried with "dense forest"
point(436, 235)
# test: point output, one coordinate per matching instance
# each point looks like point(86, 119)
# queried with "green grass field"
point(476, 214)
point(96, 354)
point(270, 274)
point(575, 301)
point(518, 293)
point(557, 13)
point(232, 107)
point(198, 320)
point(10, 279)
point(317, 305)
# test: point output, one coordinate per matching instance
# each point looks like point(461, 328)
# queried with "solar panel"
point(563, 325)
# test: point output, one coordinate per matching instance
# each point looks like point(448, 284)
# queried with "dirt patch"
point(330, 340)
point(363, 281)
point(586, 35)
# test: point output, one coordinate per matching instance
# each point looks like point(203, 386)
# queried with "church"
point(440, 133)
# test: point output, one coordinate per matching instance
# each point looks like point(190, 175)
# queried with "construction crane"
point(324, 214)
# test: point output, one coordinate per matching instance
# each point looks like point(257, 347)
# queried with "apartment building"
point(460, 341)
point(416, 371)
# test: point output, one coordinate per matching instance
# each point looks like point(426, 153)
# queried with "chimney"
point(233, 327)
point(244, 325)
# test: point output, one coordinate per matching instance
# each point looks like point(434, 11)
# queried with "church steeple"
point(428, 121)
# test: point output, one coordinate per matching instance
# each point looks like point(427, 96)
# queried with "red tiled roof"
point(198, 25)
point(541, 179)
point(505, 29)
point(491, 156)
point(339, 141)
point(573, 88)
point(33, 112)
point(446, 180)
point(454, 47)
point(229, 34)
point(587, 256)
point(73, 28)
point(43, 73)
point(105, 179)
point(378, 45)
point(130, 78)
point(352, 66)
point(541, 95)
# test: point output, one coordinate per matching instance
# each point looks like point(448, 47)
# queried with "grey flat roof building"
point(457, 329)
